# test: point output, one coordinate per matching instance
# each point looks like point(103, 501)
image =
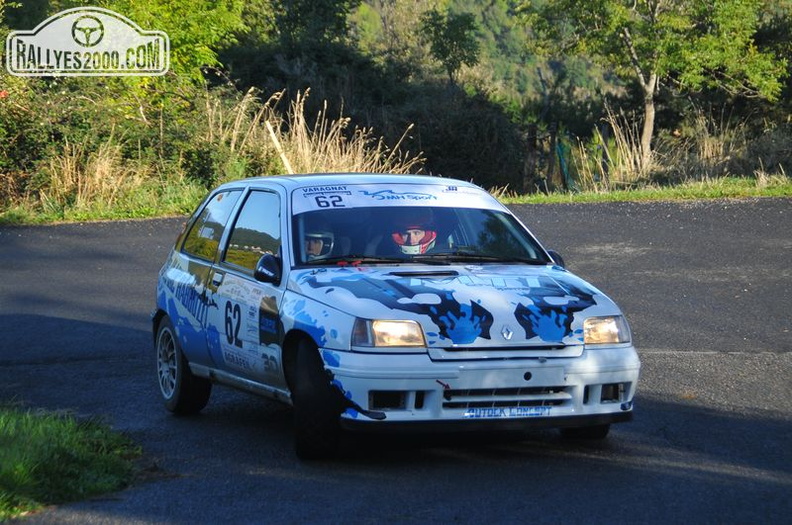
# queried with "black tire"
point(182, 392)
point(317, 408)
point(594, 432)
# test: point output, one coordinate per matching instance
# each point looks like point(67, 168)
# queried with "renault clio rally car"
point(386, 303)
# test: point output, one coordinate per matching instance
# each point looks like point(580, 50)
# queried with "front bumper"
point(481, 425)
point(415, 393)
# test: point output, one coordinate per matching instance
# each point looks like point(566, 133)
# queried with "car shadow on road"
point(681, 441)
point(687, 454)
point(105, 370)
point(56, 363)
point(687, 450)
point(45, 339)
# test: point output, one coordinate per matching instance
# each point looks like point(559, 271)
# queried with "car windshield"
point(431, 235)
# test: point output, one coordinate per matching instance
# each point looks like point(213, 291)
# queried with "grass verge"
point(720, 188)
point(48, 458)
point(182, 200)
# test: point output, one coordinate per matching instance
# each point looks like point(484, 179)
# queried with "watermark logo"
point(84, 29)
point(87, 41)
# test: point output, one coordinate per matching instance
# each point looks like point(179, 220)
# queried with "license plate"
point(545, 376)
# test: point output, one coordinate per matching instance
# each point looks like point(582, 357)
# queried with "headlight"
point(602, 330)
point(385, 333)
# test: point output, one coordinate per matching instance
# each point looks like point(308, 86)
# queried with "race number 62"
point(329, 201)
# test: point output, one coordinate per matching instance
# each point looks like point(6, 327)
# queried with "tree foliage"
point(4, 4)
point(197, 30)
point(687, 44)
point(312, 21)
point(377, 62)
point(452, 39)
point(386, 31)
point(695, 43)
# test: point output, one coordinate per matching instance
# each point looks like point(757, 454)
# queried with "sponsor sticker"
point(87, 41)
point(506, 412)
point(335, 196)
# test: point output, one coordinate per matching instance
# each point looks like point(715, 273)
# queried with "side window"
point(206, 232)
point(257, 230)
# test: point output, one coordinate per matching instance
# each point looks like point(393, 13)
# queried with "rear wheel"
point(317, 408)
point(589, 433)
point(182, 392)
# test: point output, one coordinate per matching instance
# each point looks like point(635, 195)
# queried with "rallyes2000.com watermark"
point(87, 41)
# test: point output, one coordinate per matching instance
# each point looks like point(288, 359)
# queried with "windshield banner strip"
point(313, 198)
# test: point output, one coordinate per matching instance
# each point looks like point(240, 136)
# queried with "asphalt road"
point(707, 289)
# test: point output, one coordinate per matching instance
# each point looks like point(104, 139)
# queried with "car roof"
point(291, 182)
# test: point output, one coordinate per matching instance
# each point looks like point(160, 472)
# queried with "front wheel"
point(182, 392)
point(317, 408)
point(586, 433)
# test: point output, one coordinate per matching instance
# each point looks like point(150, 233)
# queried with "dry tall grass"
point(615, 162)
point(707, 148)
point(239, 130)
point(256, 130)
point(328, 145)
point(79, 178)
point(246, 138)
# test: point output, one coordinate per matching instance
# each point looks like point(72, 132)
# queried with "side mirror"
point(268, 269)
point(557, 258)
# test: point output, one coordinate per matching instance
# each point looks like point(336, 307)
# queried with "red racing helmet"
point(415, 235)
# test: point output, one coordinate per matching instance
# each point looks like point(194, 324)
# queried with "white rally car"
point(386, 303)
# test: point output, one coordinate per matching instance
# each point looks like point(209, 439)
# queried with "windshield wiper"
point(443, 258)
point(460, 256)
point(355, 260)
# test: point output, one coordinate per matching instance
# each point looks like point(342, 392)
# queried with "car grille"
point(506, 397)
point(535, 348)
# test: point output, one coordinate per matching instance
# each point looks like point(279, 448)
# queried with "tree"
point(3, 6)
point(689, 44)
point(197, 29)
point(385, 30)
point(452, 39)
point(312, 21)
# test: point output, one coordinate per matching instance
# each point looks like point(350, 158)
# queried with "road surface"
point(707, 288)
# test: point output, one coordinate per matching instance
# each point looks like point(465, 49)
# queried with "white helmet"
point(318, 244)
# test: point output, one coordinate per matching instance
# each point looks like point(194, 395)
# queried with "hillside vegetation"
point(489, 91)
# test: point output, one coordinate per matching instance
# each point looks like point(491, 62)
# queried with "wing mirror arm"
point(268, 269)
point(557, 258)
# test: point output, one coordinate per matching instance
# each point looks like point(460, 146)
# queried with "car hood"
point(464, 306)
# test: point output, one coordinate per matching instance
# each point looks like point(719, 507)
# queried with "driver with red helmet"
point(415, 234)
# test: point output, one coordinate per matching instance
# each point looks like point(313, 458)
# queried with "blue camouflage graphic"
point(304, 321)
point(460, 323)
point(550, 311)
point(543, 305)
point(190, 336)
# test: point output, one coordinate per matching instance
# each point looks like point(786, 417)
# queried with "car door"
point(245, 332)
point(188, 275)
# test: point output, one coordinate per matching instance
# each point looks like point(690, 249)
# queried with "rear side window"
point(257, 230)
point(204, 236)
